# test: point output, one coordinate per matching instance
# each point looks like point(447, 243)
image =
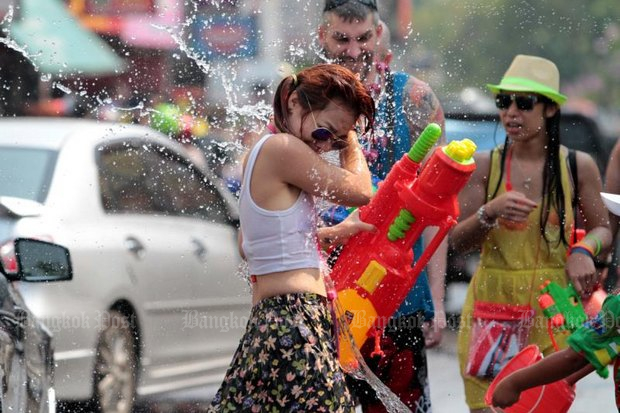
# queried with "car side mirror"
point(40, 261)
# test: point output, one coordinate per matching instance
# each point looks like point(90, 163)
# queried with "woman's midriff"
point(304, 280)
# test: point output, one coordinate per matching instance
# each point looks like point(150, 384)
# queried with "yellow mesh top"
point(518, 249)
point(512, 272)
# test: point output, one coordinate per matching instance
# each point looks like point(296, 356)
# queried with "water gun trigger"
point(562, 306)
point(557, 320)
point(377, 352)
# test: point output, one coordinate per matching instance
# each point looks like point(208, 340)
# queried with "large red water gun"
point(374, 271)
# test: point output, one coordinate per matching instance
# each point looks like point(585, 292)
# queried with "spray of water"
point(256, 114)
point(11, 44)
point(362, 372)
point(62, 88)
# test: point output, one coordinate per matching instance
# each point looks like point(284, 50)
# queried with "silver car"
point(156, 302)
point(26, 356)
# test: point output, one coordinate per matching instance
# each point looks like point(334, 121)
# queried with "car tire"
point(116, 365)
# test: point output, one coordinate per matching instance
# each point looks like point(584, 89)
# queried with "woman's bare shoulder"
point(483, 164)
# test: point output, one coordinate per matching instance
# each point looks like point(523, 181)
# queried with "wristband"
point(598, 242)
point(485, 220)
point(581, 250)
point(585, 246)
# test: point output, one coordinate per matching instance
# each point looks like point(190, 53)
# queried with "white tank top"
point(275, 241)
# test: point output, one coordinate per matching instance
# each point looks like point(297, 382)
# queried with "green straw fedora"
point(531, 74)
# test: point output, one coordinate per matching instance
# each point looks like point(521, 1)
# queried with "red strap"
point(508, 168)
point(271, 128)
point(551, 336)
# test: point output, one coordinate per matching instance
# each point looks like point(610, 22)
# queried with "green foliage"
point(477, 39)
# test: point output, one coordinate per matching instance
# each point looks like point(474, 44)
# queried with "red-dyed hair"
point(317, 86)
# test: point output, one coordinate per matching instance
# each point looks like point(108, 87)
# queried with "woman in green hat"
point(518, 208)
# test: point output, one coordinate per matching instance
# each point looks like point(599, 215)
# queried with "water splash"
point(243, 272)
point(317, 49)
point(178, 37)
point(62, 88)
point(12, 44)
point(257, 114)
point(362, 372)
point(138, 106)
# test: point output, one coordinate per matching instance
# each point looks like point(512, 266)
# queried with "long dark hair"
point(319, 85)
point(552, 191)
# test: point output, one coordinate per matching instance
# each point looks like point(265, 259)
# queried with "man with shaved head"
point(352, 34)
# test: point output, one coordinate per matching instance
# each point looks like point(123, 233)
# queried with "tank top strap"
point(249, 166)
point(495, 171)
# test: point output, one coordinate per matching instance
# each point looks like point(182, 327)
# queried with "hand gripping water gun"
point(374, 273)
point(565, 309)
point(562, 305)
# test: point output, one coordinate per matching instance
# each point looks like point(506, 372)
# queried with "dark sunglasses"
point(332, 4)
point(323, 135)
point(524, 102)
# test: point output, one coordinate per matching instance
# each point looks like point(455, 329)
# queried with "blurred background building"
point(221, 54)
point(223, 58)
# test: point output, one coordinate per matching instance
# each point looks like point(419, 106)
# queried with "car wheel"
point(116, 365)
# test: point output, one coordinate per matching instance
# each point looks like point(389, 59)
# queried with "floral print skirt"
point(286, 361)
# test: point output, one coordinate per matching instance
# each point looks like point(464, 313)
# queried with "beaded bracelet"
point(486, 221)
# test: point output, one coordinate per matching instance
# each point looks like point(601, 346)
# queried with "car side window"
point(146, 179)
point(189, 192)
point(123, 181)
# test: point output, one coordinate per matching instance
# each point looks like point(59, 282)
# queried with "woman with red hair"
point(286, 360)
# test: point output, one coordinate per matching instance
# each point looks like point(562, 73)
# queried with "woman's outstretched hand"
point(340, 234)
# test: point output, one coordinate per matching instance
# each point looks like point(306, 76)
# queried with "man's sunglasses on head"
point(332, 4)
point(524, 102)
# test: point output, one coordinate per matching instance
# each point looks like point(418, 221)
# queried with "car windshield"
point(486, 134)
point(26, 172)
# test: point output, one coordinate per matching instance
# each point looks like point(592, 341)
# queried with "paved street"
point(593, 393)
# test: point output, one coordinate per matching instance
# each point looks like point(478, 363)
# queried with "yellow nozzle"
point(461, 151)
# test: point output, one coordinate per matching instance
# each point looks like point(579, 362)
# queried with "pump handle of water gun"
point(425, 142)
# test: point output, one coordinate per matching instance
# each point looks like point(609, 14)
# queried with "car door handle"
point(199, 249)
point(134, 246)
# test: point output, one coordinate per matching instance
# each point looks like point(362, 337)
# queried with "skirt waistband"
point(292, 299)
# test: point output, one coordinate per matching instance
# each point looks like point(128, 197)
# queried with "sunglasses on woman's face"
point(322, 134)
point(524, 102)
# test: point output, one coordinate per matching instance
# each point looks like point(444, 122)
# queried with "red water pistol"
point(374, 272)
